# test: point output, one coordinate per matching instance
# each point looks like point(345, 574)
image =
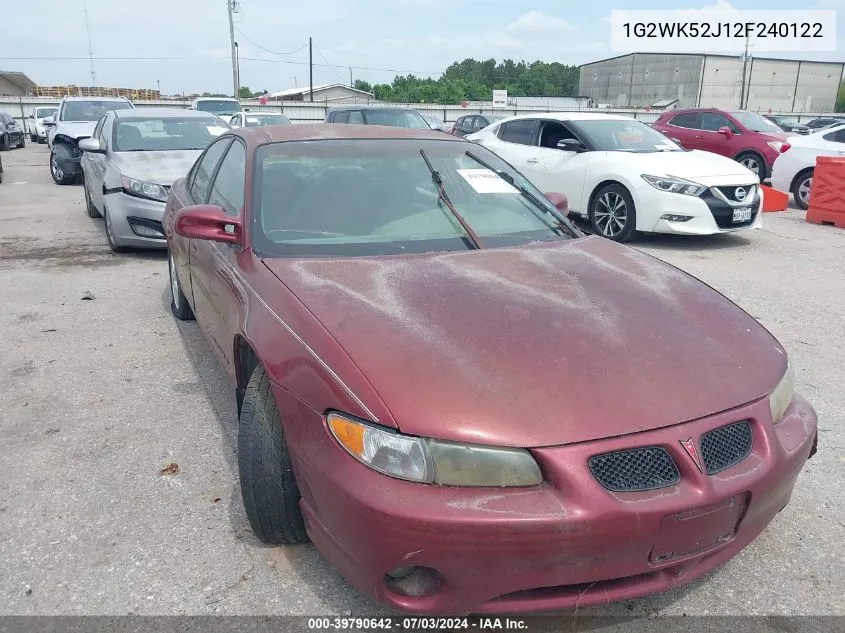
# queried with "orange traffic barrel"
point(774, 199)
point(827, 195)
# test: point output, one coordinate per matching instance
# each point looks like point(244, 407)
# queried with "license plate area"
point(696, 531)
point(742, 214)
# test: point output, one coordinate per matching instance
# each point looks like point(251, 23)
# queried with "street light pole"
point(744, 66)
point(230, 6)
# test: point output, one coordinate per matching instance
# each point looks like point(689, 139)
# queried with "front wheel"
point(59, 161)
point(801, 189)
point(89, 206)
point(113, 245)
point(268, 485)
point(32, 138)
point(5, 143)
point(612, 213)
point(178, 303)
point(754, 163)
point(22, 144)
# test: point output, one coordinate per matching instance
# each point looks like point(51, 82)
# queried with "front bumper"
point(131, 218)
point(707, 213)
point(566, 543)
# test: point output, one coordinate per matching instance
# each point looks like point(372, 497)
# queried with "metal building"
point(780, 85)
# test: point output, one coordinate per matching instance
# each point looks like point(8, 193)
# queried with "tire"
point(801, 188)
point(4, 143)
point(755, 163)
point(113, 245)
point(606, 213)
point(179, 305)
point(40, 140)
point(22, 144)
point(89, 206)
point(33, 138)
point(268, 485)
point(59, 153)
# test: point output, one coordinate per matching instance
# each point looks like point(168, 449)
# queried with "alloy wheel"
point(54, 165)
point(174, 282)
point(804, 190)
point(611, 214)
point(752, 164)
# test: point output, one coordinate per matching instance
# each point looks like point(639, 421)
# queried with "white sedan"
point(626, 177)
point(793, 170)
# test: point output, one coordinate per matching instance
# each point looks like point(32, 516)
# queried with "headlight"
point(434, 461)
point(143, 189)
point(782, 395)
point(671, 184)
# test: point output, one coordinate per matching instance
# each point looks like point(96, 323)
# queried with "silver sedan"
point(129, 163)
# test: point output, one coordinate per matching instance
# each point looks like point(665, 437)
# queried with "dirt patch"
point(20, 249)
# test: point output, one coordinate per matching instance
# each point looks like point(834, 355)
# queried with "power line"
point(267, 50)
point(323, 57)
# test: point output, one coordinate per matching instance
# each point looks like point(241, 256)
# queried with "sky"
point(183, 45)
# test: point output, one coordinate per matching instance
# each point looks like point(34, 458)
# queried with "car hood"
point(702, 167)
point(157, 167)
point(538, 346)
point(76, 129)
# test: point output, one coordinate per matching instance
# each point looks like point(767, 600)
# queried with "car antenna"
point(438, 180)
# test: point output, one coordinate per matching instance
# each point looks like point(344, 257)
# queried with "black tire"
point(179, 305)
point(606, 214)
point(60, 154)
point(40, 140)
point(268, 485)
point(22, 144)
point(33, 138)
point(799, 193)
point(114, 246)
point(89, 206)
point(754, 162)
point(4, 143)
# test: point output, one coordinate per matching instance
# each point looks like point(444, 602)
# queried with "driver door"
point(517, 143)
point(562, 171)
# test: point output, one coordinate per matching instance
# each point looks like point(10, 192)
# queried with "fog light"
point(144, 227)
point(414, 582)
point(676, 218)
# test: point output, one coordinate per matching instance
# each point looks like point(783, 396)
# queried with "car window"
point(712, 121)
point(624, 135)
point(205, 170)
point(479, 123)
point(520, 131)
point(257, 120)
point(356, 118)
point(90, 110)
point(396, 118)
point(835, 137)
point(466, 123)
point(98, 131)
point(340, 117)
point(552, 132)
point(219, 106)
point(687, 120)
point(228, 188)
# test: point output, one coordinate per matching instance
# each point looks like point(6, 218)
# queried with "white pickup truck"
point(35, 124)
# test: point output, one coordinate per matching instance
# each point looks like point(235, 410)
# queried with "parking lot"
point(101, 391)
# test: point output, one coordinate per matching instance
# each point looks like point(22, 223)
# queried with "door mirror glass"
point(570, 145)
point(91, 145)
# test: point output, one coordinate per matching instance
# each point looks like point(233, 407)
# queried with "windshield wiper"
point(438, 180)
point(559, 226)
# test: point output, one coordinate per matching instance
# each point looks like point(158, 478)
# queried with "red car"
point(747, 137)
point(464, 402)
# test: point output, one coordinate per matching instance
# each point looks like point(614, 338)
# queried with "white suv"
point(35, 123)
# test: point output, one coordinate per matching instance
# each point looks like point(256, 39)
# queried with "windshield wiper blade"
point(559, 225)
point(438, 180)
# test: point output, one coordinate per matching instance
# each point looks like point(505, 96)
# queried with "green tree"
point(840, 98)
point(360, 84)
point(245, 92)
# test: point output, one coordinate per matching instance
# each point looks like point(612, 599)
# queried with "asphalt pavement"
point(99, 396)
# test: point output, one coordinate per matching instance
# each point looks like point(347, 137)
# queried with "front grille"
point(638, 469)
point(726, 446)
point(730, 193)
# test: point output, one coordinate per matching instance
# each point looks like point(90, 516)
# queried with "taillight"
point(784, 147)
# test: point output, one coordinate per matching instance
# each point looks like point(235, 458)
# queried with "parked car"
point(223, 107)
point(35, 127)
point(793, 170)
point(822, 122)
point(130, 161)
point(377, 115)
point(76, 119)
point(471, 123)
point(625, 177)
point(252, 119)
point(747, 137)
point(436, 124)
point(11, 134)
point(788, 123)
point(493, 473)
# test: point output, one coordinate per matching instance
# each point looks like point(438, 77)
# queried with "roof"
point(215, 99)
point(289, 92)
point(668, 54)
point(364, 106)
point(335, 131)
point(18, 79)
point(572, 116)
point(121, 99)
point(163, 113)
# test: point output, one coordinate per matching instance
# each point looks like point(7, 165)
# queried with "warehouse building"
point(780, 85)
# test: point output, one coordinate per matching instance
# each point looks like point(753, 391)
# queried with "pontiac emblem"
point(692, 451)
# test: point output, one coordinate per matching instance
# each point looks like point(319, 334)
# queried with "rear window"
point(519, 131)
point(219, 106)
point(396, 118)
point(688, 120)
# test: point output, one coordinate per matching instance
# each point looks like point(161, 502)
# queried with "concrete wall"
point(721, 82)
point(8, 88)
point(817, 87)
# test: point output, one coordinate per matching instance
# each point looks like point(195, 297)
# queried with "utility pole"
point(237, 69)
point(230, 7)
point(350, 77)
point(310, 72)
point(744, 66)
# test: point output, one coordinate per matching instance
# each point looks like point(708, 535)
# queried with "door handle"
point(699, 136)
point(532, 160)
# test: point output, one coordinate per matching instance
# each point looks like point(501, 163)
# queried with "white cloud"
point(539, 22)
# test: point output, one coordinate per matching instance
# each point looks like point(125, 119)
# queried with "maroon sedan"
point(466, 404)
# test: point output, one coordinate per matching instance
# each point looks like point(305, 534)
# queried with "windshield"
point(785, 120)
point(755, 122)
point(396, 118)
point(219, 106)
point(616, 135)
point(166, 134)
point(433, 120)
point(91, 110)
point(41, 113)
point(254, 120)
point(378, 197)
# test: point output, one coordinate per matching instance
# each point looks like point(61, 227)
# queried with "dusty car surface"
point(465, 403)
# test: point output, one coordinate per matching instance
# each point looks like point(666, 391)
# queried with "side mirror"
point(570, 145)
point(726, 131)
point(31, 116)
point(91, 145)
point(208, 222)
point(559, 200)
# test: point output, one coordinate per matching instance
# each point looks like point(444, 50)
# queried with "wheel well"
point(798, 175)
point(246, 360)
point(751, 151)
point(596, 189)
